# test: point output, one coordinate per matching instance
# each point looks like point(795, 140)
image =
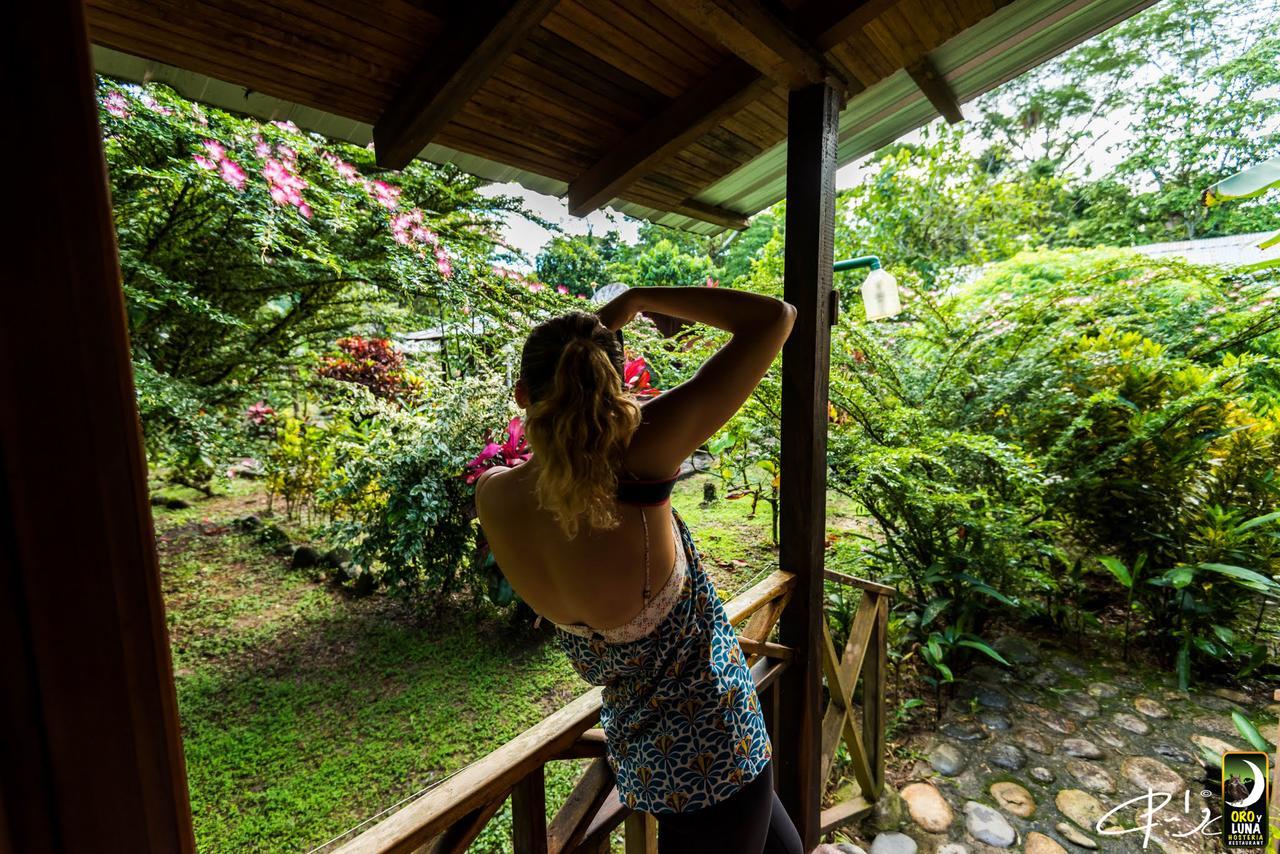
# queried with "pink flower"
point(215, 149)
point(233, 174)
point(305, 210)
point(116, 105)
point(535, 286)
point(204, 162)
point(278, 196)
point(561, 289)
point(260, 147)
point(385, 194)
point(287, 154)
point(348, 172)
point(402, 237)
point(286, 125)
point(712, 283)
point(155, 106)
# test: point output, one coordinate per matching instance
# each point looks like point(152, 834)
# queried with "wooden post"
point(812, 116)
point(93, 757)
point(529, 814)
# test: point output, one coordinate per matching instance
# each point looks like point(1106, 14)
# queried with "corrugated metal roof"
point(1003, 45)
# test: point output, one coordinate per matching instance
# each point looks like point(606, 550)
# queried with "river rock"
point(947, 759)
point(1109, 737)
point(1216, 746)
point(1007, 756)
point(927, 807)
point(1041, 774)
point(1081, 748)
point(988, 825)
point(1222, 725)
point(1172, 753)
point(1050, 718)
point(1017, 649)
point(1233, 695)
point(990, 674)
point(1074, 836)
point(893, 843)
point(850, 848)
point(1217, 704)
point(953, 848)
point(1147, 773)
point(1132, 723)
point(1081, 705)
point(1093, 777)
point(1045, 678)
point(1014, 799)
point(1070, 666)
point(1102, 690)
point(1150, 707)
point(1081, 807)
point(994, 721)
point(1032, 740)
point(1038, 843)
point(963, 731)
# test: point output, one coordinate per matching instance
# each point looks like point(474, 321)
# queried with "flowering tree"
point(247, 246)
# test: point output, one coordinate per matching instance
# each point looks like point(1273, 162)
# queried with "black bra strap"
point(646, 493)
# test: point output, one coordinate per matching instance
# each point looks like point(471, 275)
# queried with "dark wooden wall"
point(92, 758)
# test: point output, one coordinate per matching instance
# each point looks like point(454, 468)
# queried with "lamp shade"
point(880, 295)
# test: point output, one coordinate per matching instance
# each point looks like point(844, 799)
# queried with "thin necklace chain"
point(644, 520)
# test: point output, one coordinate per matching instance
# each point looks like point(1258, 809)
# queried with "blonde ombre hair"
point(579, 420)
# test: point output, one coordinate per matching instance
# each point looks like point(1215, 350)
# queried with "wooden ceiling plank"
point(754, 34)
point(172, 48)
point(449, 75)
point(935, 87)
point(680, 47)
point(572, 29)
point(830, 22)
point(574, 95)
point(683, 120)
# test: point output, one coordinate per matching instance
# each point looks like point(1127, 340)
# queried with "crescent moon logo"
point(1259, 786)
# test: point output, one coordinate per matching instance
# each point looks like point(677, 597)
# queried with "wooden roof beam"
point(935, 87)
point(467, 54)
point(725, 91)
point(733, 85)
point(752, 32)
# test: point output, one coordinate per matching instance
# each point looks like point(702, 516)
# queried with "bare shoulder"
point(485, 496)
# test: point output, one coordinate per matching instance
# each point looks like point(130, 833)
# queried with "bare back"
point(598, 577)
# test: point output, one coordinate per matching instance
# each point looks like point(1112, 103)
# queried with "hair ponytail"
point(579, 421)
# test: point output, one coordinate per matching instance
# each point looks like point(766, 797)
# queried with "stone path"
point(1031, 758)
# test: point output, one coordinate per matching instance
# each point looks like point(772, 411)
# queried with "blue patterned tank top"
point(680, 713)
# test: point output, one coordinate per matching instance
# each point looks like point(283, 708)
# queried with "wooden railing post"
point(529, 814)
point(812, 118)
point(873, 675)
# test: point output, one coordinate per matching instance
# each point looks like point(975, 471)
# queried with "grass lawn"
point(306, 710)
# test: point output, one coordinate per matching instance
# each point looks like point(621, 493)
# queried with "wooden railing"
point(450, 816)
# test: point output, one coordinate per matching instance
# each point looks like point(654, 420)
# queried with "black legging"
point(750, 821)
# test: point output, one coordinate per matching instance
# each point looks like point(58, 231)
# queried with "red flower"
point(635, 377)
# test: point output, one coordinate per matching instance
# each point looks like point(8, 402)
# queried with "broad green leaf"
point(1225, 634)
point(1118, 569)
point(1247, 577)
point(947, 675)
point(1257, 520)
point(1251, 734)
point(1180, 576)
point(932, 610)
point(1245, 184)
point(935, 652)
point(982, 647)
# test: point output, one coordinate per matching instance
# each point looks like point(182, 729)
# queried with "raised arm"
point(681, 419)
